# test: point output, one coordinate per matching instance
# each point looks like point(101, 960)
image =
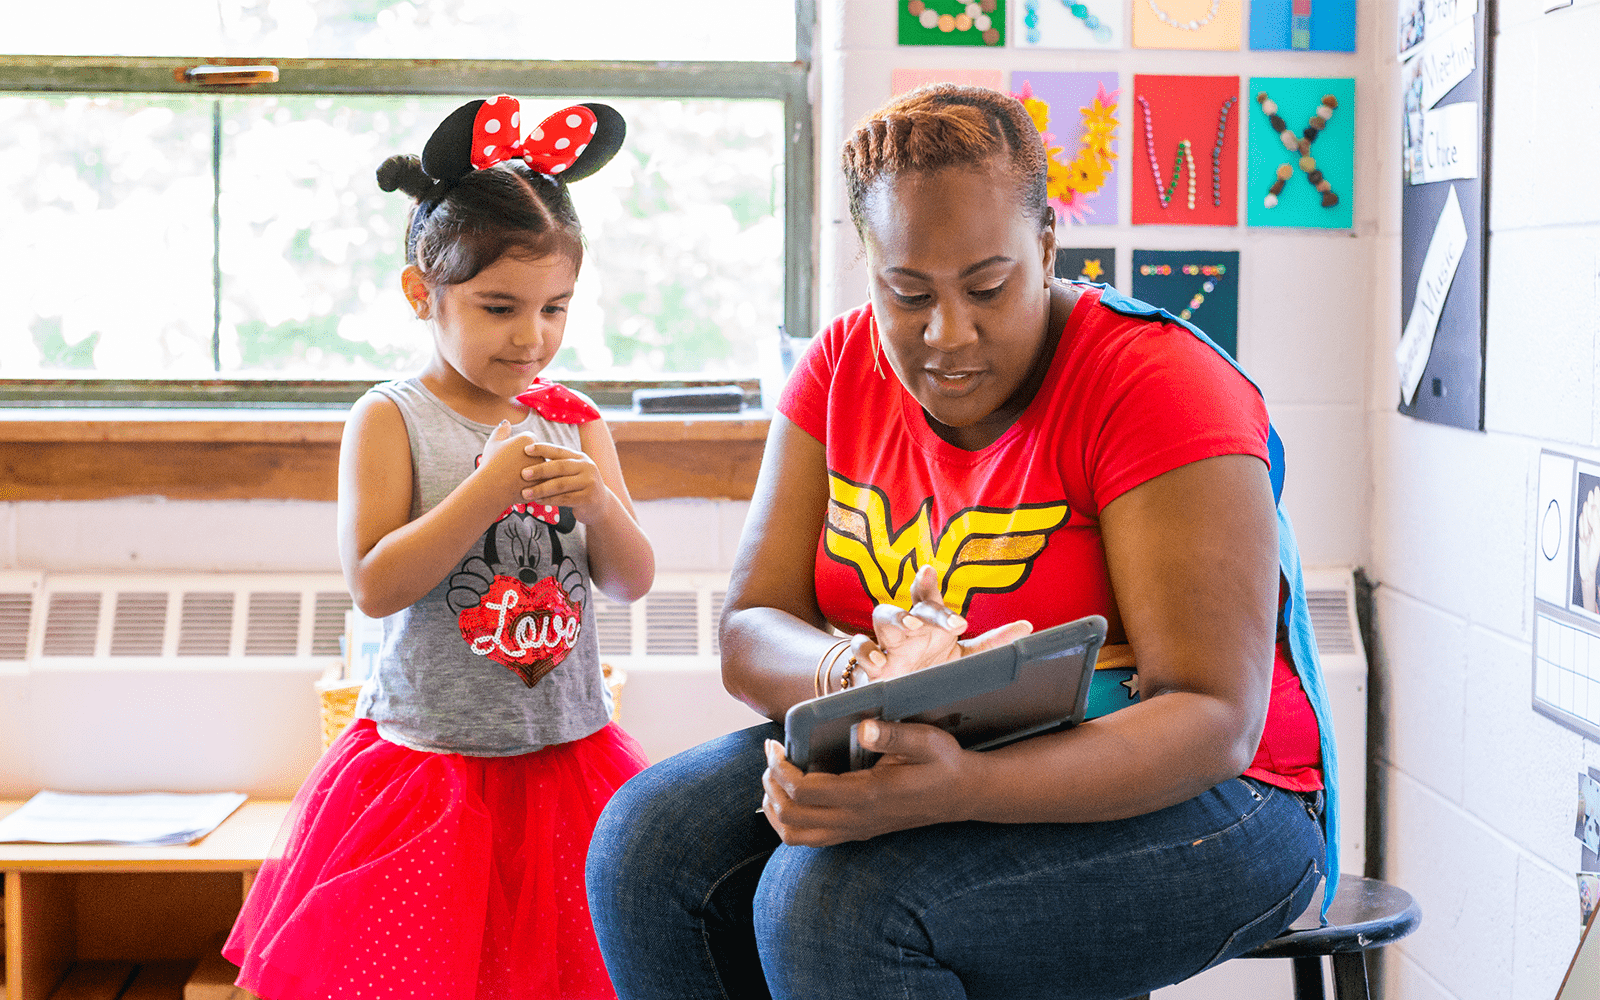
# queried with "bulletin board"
point(1566, 605)
point(1444, 80)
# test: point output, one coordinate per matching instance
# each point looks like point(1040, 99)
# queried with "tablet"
point(1034, 684)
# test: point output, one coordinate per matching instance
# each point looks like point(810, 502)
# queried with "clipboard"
point(1036, 684)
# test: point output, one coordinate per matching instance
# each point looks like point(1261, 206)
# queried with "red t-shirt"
point(1013, 529)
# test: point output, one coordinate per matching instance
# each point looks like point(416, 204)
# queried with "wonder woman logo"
point(980, 549)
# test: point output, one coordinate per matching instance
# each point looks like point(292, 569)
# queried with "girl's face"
point(494, 333)
point(960, 294)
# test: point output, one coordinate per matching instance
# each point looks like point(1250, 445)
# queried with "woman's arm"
point(772, 632)
point(389, 560)
point(1194, 565)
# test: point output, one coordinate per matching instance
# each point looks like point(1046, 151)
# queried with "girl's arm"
point(1194, 565)
point(389, 560)
point(621, 561)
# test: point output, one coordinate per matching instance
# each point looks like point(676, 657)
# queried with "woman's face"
point(960, 293)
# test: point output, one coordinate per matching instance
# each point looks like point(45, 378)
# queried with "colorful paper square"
point(1199, 109)
point(1067, 24)
point(1330, 25)
point(1098, 264)
point(1187, 24)
point(903, 80)
point(1083, 118)
point(1201, 286)
point(1332, 152)
point(952, 22)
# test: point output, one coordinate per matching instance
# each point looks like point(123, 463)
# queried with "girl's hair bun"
point(404, 173)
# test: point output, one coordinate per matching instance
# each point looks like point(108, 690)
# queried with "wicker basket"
point(337, 699)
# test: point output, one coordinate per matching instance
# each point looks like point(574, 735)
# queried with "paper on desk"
point(154, 818)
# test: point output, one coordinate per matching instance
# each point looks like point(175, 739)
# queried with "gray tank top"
point(499, 658)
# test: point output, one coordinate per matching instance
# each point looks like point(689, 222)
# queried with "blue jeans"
point(693, 894)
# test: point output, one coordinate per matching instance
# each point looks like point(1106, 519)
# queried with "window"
point(171, 241)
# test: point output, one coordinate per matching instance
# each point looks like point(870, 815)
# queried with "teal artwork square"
point(1300, 204)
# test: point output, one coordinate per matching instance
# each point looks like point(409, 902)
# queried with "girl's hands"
point(562, 477)
point(919, 781)
point(505, 460)
point(928, 634)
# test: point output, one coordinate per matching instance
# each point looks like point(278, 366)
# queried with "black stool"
point(1365, 914)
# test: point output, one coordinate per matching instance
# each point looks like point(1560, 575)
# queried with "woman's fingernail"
point(877, 658)
point(958, 623)
point(911, 622)
point(774, 750)
point(869, 730)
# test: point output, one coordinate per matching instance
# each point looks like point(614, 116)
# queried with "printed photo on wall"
point(1586, 551)
point(1303, 25)
point(902, 80)
point(1067, 24)
point(1300, 175)
point(952, 22)
point(1187, 24)
point(1078, 114)
point(1097, 264)
point(1185, 162)
point(1201, 286)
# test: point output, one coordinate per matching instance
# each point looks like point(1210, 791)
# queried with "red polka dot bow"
point(554, 401)
point(550, 149)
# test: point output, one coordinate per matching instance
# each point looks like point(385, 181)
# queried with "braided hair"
point(946, 125)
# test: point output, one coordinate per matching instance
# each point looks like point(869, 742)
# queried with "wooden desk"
point(68, 903)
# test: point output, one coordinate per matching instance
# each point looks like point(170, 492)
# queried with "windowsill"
point(292, 454)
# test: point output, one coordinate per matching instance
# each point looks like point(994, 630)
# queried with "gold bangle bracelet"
point(825, 664)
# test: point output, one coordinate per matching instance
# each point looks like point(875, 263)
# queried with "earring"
point(872, 337)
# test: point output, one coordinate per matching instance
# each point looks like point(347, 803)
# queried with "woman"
point(977, 451)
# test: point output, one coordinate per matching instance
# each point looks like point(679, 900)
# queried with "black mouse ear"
point(448, 154)
point(610, 130)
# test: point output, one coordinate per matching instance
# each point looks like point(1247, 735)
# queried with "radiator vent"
point(140, 624)
point(186, 621)
point(1333, 621)
point(16, 611)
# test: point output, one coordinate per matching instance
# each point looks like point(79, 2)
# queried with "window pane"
point(108, 202)
point(105, 203)
point(759, 30)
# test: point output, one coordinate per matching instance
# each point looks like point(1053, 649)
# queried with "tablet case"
point(1034, 684)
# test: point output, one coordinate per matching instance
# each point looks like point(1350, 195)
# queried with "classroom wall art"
point(1080, 115)
point(1068, 24)
point(1097, 264)
point(952, 22)
point(1300, 133)
point(1201, 286)
point(1443, 213)
point(1566, 609)
point(1186, 24)
point(902, 80)
point(1183, 137)
point(1303, 25)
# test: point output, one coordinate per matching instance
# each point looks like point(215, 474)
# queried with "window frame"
point(786, 82)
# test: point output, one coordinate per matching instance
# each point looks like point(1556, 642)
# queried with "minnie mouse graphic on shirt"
point(520, 603)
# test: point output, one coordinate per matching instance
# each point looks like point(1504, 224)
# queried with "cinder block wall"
point(1478, 790)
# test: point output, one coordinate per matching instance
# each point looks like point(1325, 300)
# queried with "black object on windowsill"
point(699, 399)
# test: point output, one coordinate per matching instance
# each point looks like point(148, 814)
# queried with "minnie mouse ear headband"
point(569, 145)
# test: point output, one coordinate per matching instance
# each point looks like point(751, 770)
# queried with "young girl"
point(437, 849)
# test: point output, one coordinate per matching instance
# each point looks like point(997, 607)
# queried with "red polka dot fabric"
point(439, 876)
point(550, 149)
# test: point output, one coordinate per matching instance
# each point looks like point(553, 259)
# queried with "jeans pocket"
point(1270, 923)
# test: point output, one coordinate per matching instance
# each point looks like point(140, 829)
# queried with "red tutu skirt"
point(400, 873)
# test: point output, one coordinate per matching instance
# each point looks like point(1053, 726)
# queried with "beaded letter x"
point(1300, 144)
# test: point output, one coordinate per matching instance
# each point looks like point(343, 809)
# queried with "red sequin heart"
point(528, 629)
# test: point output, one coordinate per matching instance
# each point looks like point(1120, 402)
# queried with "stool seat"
point(1366, 913)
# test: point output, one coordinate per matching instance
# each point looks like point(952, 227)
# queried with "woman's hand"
point(928, 634)
point(919, 781)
